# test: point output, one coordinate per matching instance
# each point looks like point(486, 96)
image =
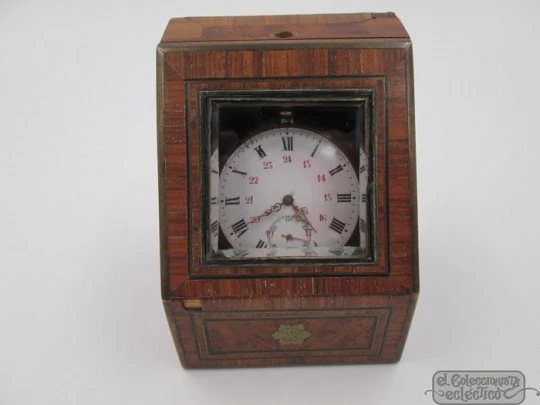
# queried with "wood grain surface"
point(264, 28)
point(326, 51)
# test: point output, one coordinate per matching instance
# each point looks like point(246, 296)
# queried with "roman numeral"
point(232, 201)
point(215, 226)
point(362, 169)
point(240, 252)
point(213, 200)
point(239, 172)
point(215, 171)
point(336, 170)
point(315, 150)
point(338, 251)
point(364, 197)
point(261, 244)
point(337, 226)
point(344, 198)
point(240, 228)
point(260, 151)
point(363, 225)
point(287, 142)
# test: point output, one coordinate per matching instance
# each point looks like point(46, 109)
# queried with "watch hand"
point(287, 199)
point(301, 213)
point(290, 238)
point(274, 208)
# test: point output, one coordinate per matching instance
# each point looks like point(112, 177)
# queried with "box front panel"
point(323, 313)
point(270, 334)
point(266, 331)
point(188, 73)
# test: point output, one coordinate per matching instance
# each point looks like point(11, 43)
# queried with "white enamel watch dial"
point(290, 192)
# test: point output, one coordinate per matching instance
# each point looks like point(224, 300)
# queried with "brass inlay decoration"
point(291, 335)
point(192, 304)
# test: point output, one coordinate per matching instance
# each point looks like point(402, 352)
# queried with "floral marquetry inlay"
point(291, 335)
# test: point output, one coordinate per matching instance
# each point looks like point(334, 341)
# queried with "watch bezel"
point(209, 103)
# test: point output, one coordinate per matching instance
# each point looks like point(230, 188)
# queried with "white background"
point(81, 320)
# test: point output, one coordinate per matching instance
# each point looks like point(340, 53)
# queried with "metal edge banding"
point(386, 188)
point(397, 43)
point(282, 78)
point(206, 98)
point(347, 95)
point(369, 129)
point(205, 153)
point(187, 91)
point(412, 173)
point(413, 202)
point(193, 325)
point(376, 326)
point(385, 330)
point(163, 229)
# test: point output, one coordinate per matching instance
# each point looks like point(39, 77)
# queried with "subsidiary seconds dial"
point(290, 175)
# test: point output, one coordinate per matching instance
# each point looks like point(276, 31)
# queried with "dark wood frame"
point(300, 96)
point(196, 267)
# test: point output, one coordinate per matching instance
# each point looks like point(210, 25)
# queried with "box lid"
point(284, 27)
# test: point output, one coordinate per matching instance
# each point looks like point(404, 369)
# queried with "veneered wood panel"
point(375, 84)
point(244, 334)
point(266, 28)
point(325, 51)
point(187, 327)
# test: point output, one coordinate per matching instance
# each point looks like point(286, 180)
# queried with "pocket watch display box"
point(287, 189)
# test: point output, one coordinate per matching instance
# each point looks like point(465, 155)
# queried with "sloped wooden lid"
point(284, 27)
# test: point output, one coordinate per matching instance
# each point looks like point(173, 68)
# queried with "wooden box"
point(290, 312)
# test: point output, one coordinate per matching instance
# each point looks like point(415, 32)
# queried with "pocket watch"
point(289, 179)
